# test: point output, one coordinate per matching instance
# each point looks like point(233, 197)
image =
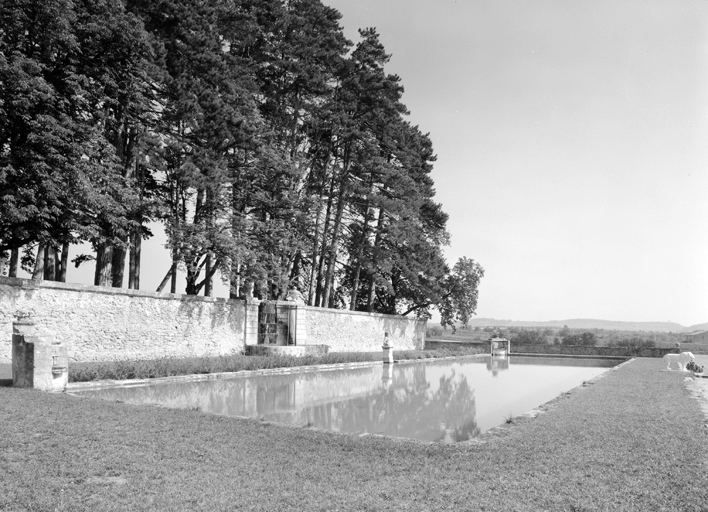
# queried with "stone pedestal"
point(387, 354)
point(251, 322)
point(387, 350)
point(38, 360)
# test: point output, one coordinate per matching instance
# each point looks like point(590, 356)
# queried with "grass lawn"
point(632, 440)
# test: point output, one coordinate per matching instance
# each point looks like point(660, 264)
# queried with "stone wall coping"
point(359, 313)
point(57, 285)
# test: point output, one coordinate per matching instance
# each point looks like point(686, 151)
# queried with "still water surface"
point(448, 400)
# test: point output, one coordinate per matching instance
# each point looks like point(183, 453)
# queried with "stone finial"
point(294, 295)
point(247, 292)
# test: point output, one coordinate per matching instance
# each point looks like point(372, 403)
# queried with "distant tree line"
point(568, 336)
point(271, 148)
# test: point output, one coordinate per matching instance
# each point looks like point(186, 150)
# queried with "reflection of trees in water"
point(260, 396)
point(220, 396)
point(410, 409)
point(400, 403)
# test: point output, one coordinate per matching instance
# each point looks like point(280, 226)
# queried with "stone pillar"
point(250, 328)
point(297, 319)
point(301, 323)
point(38, 360)
point(387, 350)
point(291, 309)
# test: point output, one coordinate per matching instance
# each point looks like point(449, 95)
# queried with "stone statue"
point(681, 359)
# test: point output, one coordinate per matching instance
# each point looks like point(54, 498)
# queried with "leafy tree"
point(269, 152)
point(295, 52)
point(587, 339)
point(59, 177)
point(119, 60)
point(530, 336)
point(462, 285)
point(207, 117)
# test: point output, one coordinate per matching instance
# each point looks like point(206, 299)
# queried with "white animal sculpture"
point(682, 359)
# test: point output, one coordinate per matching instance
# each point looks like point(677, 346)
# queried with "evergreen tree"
point(207, 119)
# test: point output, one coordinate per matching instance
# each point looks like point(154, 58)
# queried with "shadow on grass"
point(5, 383)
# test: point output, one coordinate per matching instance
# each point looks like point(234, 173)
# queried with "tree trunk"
point(104, 261)
point(313, 261)
point(191, 288)
point(334, 246)
point(320, 272)
point(163, 283)
point(209, 261)
point(63, 263)
point(236, 209)
point(359, 254)
point(38, 273)
point(372, 274)
point(173, 277)
point(319, 285)
point(136, 241)
point(14, 261)
point(294, 277)
point(118, 266)
point(235, 282)
point(355, 284)
point(50, 263)
point(208, 281)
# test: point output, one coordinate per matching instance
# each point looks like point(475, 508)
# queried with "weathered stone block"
point(38, 360)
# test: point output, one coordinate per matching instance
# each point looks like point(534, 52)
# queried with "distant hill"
point(697, 327)
point(586, 323)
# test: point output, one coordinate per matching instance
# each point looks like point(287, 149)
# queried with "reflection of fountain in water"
point(387, 375)
point(495, 364)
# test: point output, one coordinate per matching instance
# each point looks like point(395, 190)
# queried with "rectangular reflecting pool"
point(447, 400)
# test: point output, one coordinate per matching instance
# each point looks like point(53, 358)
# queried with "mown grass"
point(170, 366)
point(633, 440)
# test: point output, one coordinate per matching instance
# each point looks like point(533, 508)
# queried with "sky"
point(572, 145)
point(572, 149)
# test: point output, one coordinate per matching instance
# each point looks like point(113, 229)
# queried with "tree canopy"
point(271, 148)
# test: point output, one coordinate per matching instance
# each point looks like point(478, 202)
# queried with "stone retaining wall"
point(354, 331)
point(480, 348)
point(519, 348)
point(590, 351)
point(102, 324)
